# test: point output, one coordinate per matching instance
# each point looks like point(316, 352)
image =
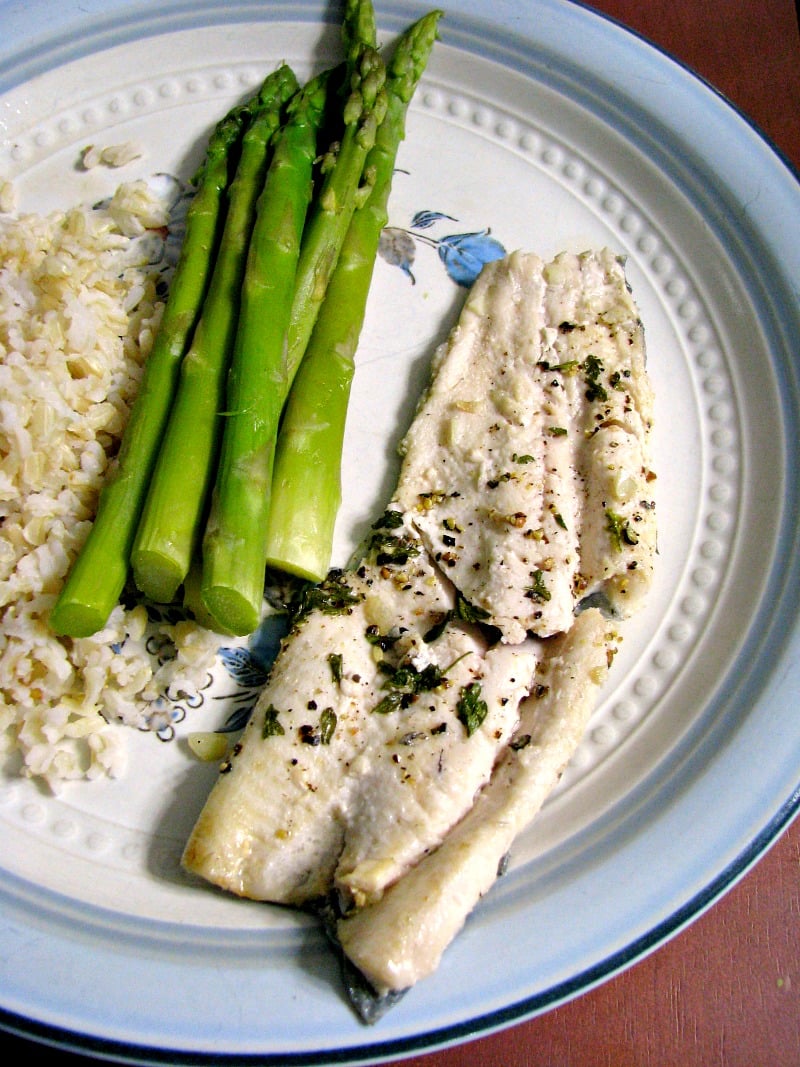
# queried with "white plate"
point(556, 129)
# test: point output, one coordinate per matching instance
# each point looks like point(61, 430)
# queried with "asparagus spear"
point(100, 571)
point(232, 583)
point(306, 483)
point(342, 187)
point(234, 546)
point(175, 503)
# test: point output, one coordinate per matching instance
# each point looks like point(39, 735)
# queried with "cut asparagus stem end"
point(302, 561)
point(158, 576)
point(240, 615)
point(78, 618)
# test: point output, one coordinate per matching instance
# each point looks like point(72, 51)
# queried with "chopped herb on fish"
point(335, 660)
point(592, 369)
point(538, 589)
point(620, 531)
point(333, 596)
point(382, 641)
point(272, 726)
point(405, 683)
point(321, 734)
point(472, 709)
point(388, 547)
point(463, 611)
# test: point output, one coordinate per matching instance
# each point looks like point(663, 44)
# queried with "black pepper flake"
point(308, 735)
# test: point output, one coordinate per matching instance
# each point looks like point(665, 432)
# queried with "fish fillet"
point(422, 709)
point(527, 465)
point(304, 807)
point(400, 939)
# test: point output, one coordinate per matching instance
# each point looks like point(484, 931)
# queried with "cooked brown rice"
point(78, 310)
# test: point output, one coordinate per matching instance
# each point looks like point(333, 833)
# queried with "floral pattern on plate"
point(462, 254)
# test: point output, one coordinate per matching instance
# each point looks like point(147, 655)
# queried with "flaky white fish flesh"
point(327, 789)
point(527, 467)
point(424, 706)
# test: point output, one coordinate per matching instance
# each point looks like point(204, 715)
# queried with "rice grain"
point(78, 311)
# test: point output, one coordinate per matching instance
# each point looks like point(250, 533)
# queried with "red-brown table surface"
point(726, 990)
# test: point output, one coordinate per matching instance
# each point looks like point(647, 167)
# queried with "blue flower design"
point(463, 254)
point(242, 667)
point(249, 668)
point(423, 220)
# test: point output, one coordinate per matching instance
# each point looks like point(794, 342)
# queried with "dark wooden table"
point(725, 991)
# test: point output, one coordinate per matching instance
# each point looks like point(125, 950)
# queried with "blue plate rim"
point(777, 311)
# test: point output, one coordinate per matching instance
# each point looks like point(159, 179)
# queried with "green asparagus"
point(306, 484)
point(343, 188)
point(234, 546)
point(99, 574)
point(175, 505)
point(232, 583)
